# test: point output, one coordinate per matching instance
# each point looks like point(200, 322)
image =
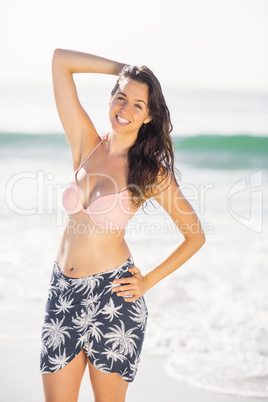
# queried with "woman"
point(96, 314)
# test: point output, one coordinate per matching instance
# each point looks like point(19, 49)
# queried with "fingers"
point(131, 299)
point(129, 287)
point(128, 295)
point(125, 291)
point(130, 279)
point(134, 270)
point(121, 288)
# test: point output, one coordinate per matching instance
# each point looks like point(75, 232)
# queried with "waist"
point(100, 277)
point(80, 256)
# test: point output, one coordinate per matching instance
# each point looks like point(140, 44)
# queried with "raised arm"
point(78, 127)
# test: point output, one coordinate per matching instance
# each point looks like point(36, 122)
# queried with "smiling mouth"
point(121, 120)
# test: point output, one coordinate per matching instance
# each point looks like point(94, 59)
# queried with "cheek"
point(110, 113)
point(112, 108)
point(141, 117)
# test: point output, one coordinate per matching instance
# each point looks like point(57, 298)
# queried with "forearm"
point(79, 62)
point(185, 251)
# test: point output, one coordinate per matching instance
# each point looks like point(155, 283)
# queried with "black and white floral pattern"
point(83, 313)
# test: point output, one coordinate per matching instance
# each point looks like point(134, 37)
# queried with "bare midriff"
point(86, 249)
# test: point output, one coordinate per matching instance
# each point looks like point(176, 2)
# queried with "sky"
point(211, 44)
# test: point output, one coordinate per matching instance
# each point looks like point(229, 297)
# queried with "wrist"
point(148, 282)
point(118, 68)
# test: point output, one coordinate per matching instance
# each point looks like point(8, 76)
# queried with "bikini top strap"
point(91, 152)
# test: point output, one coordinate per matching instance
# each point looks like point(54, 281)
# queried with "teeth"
point(121, 120)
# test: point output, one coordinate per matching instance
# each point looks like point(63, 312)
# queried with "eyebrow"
point(137, 100)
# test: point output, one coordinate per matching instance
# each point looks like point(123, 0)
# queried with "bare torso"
point(90, 252)
point(85, 248)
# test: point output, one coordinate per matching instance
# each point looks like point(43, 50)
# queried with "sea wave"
point(223, 151)
point(204, 151)
point(229, 143)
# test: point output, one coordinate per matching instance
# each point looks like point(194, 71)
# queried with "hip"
point(67, 295)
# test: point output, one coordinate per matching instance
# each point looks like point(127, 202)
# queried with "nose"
point(125, 106)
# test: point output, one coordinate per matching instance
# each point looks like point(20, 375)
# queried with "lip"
point(121, 123)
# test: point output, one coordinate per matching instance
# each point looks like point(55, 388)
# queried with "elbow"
point(58, 60)
point(202, 240)
point(197, 240)
point(200, 237)
point(56, 54)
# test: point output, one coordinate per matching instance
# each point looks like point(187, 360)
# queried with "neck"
point(119, 144)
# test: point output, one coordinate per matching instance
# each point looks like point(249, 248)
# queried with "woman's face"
point(129, 107)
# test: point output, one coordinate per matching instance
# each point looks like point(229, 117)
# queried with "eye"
point(120, 98)
point(138, 106)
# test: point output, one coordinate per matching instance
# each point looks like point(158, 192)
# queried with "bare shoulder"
point(169, 195)
point(166, 188)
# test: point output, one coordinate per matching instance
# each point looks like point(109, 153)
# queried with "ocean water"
point(209, 318)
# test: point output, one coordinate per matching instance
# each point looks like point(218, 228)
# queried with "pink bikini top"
point(110, 211)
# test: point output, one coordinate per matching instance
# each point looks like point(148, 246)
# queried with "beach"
point(20, 380)
point(207, 330)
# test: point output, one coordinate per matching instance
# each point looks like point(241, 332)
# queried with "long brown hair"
point(152, 153)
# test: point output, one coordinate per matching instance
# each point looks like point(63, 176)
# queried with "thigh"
point(107, 387)
point(64, 384)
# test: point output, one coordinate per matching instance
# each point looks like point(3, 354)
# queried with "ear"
point(147, 120)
